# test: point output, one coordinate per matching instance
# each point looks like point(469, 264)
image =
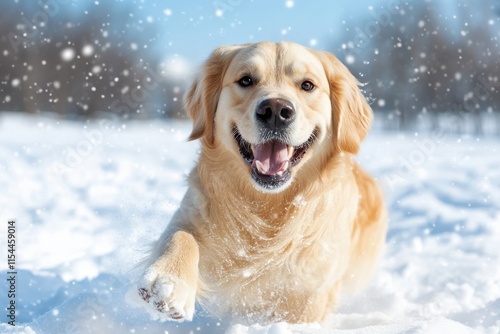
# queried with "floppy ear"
point(352, 116)
point(202, 97)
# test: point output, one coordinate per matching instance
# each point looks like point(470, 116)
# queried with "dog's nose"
point(275, 113)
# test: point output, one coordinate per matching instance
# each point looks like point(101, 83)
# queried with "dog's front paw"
point(168, 297)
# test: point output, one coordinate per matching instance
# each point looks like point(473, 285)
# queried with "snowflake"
point(67, 54)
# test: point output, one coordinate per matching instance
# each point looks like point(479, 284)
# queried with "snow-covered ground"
point(88, 200)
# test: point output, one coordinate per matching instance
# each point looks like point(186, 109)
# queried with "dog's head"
point(277, 107)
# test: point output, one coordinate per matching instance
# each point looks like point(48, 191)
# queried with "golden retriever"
point(278, 221)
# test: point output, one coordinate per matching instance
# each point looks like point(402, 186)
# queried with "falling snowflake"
point(88, 50)
point(67, 54)
point(350, 59)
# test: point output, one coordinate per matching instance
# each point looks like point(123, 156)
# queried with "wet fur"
point(267, 257)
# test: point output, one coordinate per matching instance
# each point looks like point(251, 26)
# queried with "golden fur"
point(280, 255)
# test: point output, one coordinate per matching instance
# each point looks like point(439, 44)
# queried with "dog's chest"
point(247, 254)
point(268, 272)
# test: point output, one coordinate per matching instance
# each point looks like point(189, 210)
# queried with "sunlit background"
point(428, 64)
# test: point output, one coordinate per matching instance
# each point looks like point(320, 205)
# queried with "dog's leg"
point(368, 236)
point(317, 307)
point(169, 284)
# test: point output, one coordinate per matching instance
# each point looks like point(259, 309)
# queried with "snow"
point(88, 50)
point(88, 199)
point(67, 54)
point(177, 68)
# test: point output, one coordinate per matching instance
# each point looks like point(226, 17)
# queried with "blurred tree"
point(421, 64)
point(83, 63)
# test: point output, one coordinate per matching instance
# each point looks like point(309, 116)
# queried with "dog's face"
point(273, 111)
point(277, 107)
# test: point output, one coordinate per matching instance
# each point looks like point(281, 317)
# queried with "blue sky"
point(192, 29)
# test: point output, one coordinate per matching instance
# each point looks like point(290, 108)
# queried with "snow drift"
point(88, 200)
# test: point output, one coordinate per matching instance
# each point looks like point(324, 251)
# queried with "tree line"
point(422, 61)
point(81, 65)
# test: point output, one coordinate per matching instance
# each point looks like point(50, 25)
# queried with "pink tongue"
point(271, 157)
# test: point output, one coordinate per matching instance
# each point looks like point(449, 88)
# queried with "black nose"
point(275, 113)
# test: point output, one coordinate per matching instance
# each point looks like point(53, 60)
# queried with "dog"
point(278, 222)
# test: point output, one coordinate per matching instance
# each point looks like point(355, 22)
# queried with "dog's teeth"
point(290, 151)
point(259, 166)
point(283, 168)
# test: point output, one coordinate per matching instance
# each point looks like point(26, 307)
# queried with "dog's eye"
point(246, 81)
point(307, 86)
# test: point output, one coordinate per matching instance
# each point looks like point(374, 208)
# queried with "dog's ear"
point(200, 101)
point(352, 116)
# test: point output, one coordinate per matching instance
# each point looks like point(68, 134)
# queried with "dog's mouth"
point(272, 160)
